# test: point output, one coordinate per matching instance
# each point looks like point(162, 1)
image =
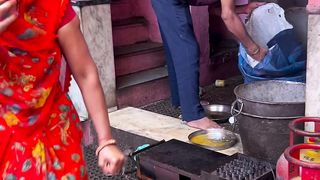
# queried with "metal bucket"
point(263, 110)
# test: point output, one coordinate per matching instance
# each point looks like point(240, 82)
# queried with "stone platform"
point(156, 126)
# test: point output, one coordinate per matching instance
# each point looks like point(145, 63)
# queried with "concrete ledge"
point(156, 126)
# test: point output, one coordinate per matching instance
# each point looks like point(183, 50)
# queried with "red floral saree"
point(40, 135)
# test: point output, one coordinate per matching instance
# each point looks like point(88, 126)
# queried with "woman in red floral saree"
point(40, 135)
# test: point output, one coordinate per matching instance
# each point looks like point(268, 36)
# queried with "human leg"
point(177, 32)
point(183, 65)
point(175, 100)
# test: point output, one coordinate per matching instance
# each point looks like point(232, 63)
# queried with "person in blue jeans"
point(182, 51)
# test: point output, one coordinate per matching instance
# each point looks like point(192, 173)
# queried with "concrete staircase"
point(141, 75)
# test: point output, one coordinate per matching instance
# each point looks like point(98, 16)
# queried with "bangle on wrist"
point(255, 51)
point(105, 144)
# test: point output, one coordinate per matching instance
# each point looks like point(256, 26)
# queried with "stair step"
point(135, 58)
point(139, 48)
point(128, 21)
point(141, 77)
point(120, 9)
point(143, 94)
point(129, 31)
point(133, 64)
point(119, 1)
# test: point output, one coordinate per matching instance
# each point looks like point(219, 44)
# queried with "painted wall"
point(200, 16)
point(314, 6)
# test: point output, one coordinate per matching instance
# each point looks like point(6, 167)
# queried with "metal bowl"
point(215, 138)
point(217, 112)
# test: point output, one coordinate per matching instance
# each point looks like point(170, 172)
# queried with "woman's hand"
point(8, 13)
point(253, 5)
point(111, 160)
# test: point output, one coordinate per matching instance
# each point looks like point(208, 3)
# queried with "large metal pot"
point(264, 110)
point(272, 98)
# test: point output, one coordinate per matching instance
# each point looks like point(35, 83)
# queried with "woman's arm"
point(85, 73)
point(8, 13)
point(236, 27)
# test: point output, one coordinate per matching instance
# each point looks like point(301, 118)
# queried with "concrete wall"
point(97, 30)
point(313, 64)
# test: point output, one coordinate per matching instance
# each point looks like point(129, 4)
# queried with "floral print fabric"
point(40, 135)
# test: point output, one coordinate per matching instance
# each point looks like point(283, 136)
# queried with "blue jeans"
point(182, 54)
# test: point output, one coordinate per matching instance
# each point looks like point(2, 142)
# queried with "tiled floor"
point(212, 94)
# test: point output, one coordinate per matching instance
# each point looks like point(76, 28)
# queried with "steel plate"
point(215, 138)
point(217, 112)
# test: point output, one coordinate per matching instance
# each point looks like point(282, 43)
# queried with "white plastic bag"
point(77, 100)
point(286, 58)
point(265, 22)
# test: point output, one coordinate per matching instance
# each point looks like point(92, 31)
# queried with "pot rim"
point(236, 89)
